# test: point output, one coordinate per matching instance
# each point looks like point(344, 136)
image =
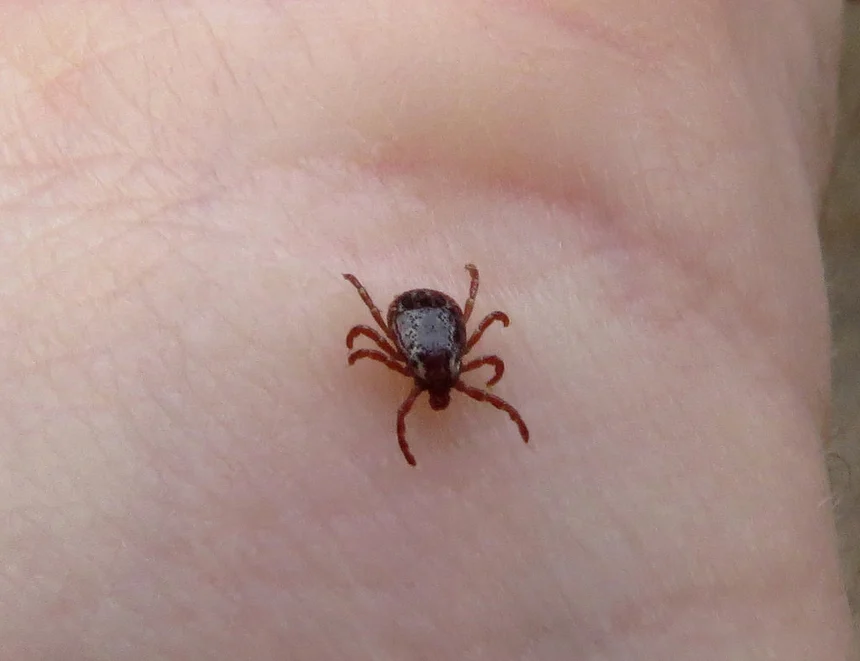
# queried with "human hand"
point(190, 470)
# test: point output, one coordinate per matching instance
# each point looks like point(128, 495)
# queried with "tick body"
point(424, 338)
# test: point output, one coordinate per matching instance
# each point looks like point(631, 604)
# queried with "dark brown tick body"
point(425, 339)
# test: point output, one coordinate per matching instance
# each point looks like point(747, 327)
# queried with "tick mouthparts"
point(439, 400)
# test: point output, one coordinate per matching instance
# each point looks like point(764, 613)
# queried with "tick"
point(424, 339)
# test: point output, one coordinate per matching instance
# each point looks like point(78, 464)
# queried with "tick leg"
point(485, 323)
point(498, 402)
point(495, 361)
point(373, 354)
point(374, 311)
point(473, 292)
point(374, 335)
point(405, 407)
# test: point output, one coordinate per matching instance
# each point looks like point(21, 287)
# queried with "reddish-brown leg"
point(374, 311)
point(498, 402)
point(473, 292)
point(386, 360)
point(405, 407)
point(495, 361)
point(374, 335)
point(485, 323)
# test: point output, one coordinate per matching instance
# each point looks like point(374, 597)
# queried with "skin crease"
point(189, 469)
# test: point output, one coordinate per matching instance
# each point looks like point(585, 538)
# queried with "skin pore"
point(189, 468)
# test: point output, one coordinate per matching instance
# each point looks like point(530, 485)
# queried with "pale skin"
point(189, 468)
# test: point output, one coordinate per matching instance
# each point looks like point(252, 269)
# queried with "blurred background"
point(840, 235)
